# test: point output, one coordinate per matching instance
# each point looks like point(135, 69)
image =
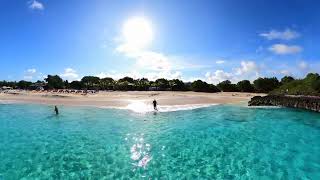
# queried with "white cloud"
point(285, 72)
point(247, 67)
point(69, 74)
point(164, 74)
point(117, 76)
point(149, 75)
point(298, 69)
point(153, 61)
point(146, 59)
point(29, 74)
point(102, 75)
point(287, 34)
point(31, 71)
point(129, 46)
point(220, 62)
point(36, 5)
point(283, 49)
point(191, 79)
point(218, 76)
point(247, 70)
point(156, 63)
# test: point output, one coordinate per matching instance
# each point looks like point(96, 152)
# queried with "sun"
point(137, 32)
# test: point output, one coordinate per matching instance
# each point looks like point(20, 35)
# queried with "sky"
point(212, 40)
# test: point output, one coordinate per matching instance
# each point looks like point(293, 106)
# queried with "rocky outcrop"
point(301, 102)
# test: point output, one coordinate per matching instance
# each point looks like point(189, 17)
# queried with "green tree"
point(24, 84)
point(91, 82)
point(107, 83)
point(316, 85)
point(227, 86)
point(310, 85)
point(12, 84)
point(313, 76)
point(201, 86)
point(177, 85)
point(54, 82)
point(142, 84)
point(213, 88)
point(313, 79)
point(187, 86)
point(125, 84)
point(126, 79)
point(162, 83)
point(265, 85)
point(66, 84)
point(76, 85)
point(286, 79)
point(245, 86)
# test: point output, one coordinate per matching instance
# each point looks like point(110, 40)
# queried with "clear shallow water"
point(218, 142)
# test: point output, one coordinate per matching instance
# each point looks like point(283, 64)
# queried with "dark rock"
point(301, 102)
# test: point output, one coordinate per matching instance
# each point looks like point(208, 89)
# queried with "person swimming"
point(56, 110)
point(155, 103)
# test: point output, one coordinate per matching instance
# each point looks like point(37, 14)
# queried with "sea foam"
point(143, 107)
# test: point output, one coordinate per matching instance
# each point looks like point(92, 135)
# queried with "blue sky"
point(209, 40)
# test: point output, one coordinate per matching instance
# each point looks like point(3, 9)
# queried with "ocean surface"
point(215, 142)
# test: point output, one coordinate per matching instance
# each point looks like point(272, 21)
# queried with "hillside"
point(310, 86)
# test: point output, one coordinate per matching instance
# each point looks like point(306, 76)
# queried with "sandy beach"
point(123, 99)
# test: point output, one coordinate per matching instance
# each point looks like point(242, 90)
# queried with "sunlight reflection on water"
point(140, 151)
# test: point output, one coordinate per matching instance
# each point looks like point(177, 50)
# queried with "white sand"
point(122, 99)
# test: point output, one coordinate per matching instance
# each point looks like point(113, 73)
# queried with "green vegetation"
point(24, 84)
point(245, 86)
point(76, 85)
point(227, 86)
point(90, 82)
point(265, 85)
point(54, 82)
point(201, 86)
point(310, 85)
point(286, 79)
point(177, 85)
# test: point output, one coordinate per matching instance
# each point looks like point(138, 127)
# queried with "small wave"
point(143, 107)
point(183, 107)
point(9, 101)
point(264, 107)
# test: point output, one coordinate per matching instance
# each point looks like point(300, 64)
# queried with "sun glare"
point(137, 32)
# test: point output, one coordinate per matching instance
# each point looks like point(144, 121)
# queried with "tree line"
point(262, 85)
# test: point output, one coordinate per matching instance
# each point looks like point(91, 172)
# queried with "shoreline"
point(122, 99)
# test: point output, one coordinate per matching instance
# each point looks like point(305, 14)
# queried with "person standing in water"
point(56, 110)
point(155, 105)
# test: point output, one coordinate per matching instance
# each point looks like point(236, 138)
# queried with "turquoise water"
point(218, 142)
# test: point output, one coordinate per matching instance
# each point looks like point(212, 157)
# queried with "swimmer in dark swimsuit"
point(155, 105)
point(56, 110)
